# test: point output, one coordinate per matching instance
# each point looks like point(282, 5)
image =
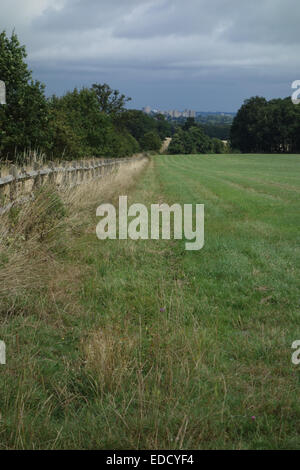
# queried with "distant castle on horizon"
point(172, 113)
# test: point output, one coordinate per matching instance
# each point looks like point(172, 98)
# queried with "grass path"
point(150, 346)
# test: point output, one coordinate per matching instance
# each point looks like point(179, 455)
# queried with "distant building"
point(173, 113)
point(147, 110)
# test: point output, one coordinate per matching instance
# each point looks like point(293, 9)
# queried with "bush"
point(151, 141)
point(191, 141)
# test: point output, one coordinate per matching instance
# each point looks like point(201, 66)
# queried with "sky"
point(205, 55)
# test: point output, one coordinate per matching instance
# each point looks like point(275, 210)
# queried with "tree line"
point(94, 121)
point(190, 138)
point(82, 123)
point(262, 126)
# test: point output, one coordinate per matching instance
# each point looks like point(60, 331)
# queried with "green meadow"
point(144, 345)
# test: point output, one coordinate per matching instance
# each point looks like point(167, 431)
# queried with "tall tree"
point(25, 117)
point(110, 101)
point(80, 128)
point(266, 126)
point(249, 125)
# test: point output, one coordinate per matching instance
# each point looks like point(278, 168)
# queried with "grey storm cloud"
point(79, 15)
point(208, 40)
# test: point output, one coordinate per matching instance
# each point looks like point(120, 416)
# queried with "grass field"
point(141, 344)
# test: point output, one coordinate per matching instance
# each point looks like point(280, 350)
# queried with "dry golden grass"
point(111, 354)
point(111, 186)
point(30, 232)
point(24, 259)
point(40, 279)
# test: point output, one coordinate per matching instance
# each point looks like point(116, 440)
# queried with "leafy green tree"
point(219, 131)
point(163, 126)
point(266, 126)
point(201, 142)
point(78, 112)
point(295, 131)
point(136, 123)
point(190, 122)
point(24, 119)
point(81, 129)
point(248, 127)
point(282, 123)
point(176, 146)
point(110, 101)
point(151, 141)
point(217, 146)
point(191, 141)
point(147, 130)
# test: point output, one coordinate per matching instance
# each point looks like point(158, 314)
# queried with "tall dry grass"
point(25, 160)
point(111, 186)
point(30, 233)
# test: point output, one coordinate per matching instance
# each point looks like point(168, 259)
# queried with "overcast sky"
point(207, 55)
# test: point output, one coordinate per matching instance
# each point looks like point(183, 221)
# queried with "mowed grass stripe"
point(276, 171)
point(230, 193)
point(238, 210)
point(253, 227)
point(248, 271)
